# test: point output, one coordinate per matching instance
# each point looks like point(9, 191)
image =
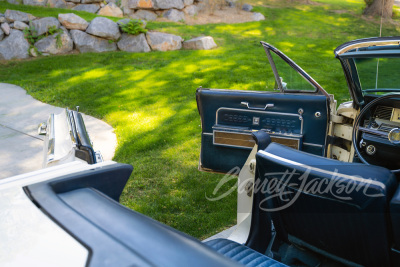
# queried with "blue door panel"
point(227, 123)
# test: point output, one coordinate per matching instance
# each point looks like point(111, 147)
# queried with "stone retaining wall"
point(75, 33)
point(173, 10)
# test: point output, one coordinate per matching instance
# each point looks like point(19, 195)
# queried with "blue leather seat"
point(334, 208)
point(242, 254)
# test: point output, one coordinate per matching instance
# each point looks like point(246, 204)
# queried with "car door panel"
point(229, 116)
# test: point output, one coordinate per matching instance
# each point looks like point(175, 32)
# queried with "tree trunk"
point(380, 8)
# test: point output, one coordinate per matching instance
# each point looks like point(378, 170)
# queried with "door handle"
point(264, 108)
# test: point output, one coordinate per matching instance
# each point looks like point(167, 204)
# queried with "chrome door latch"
point(246, 104)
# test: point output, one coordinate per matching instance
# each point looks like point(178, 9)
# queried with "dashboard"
point(380, 139)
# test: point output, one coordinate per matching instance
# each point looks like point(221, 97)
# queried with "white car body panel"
point(26, 230)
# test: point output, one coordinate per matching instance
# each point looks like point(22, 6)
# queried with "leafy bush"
point(31, 35)
point(134, 27)
point(53, 30)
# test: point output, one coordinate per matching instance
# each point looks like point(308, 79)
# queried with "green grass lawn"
point(150, 98)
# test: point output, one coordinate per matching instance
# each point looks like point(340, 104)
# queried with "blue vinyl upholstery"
point(85, 205)
point(346, 218)
point(242, 254)
point(224, 158)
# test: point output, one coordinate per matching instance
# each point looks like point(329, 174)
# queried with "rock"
point(168, 4)
point(122, 21)
point(174, 15)
point(187, 2)
point(91, 8)
point(56, 3)
point(202, 6)
point(128, 12)
point(6, 28)
point(230, 3)
point(35, 2)
point(43, 25)
point(11, 25)
point(163, 41)
point(50, 44)
point(2, 19)
point(73, 1)
point(33, 52)
point(200, 43)
point(102, 5)
point(247, 7)
point(141, 4)
point(70, 5)
point(13, 15)
point(14, 46)
point(191, 10)
point(133, 43)
point(112, 10)
point(1, 34)
point(104, 27)
point(20, 25)
point(145, 15)
point(87, 43)
point(15, 2)
point(73, 22)
point(258, 16)
point(91, 1)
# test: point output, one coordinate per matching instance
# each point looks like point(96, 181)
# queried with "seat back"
point(334, 208)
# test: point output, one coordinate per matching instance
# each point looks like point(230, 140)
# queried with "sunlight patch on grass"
point(270, 31)
point(91, 74)
point(189, 68)
point(285, 45)
point(252, 33)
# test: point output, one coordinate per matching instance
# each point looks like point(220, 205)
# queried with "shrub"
point(31, 35)
point(134, 27)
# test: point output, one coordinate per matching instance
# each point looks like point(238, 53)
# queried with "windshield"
point(378, 75)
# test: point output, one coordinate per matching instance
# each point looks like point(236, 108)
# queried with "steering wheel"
point(393, 135)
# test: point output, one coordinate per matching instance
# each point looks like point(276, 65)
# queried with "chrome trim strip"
point(333, 174)
point(208, 133)
point(263, 112)
point(51, 139)
point(366, 44)
point(375, 132)
point(311, 144)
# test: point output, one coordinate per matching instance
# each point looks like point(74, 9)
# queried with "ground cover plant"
point(149, 98)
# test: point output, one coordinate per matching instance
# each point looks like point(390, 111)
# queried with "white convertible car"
point(318, 186)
